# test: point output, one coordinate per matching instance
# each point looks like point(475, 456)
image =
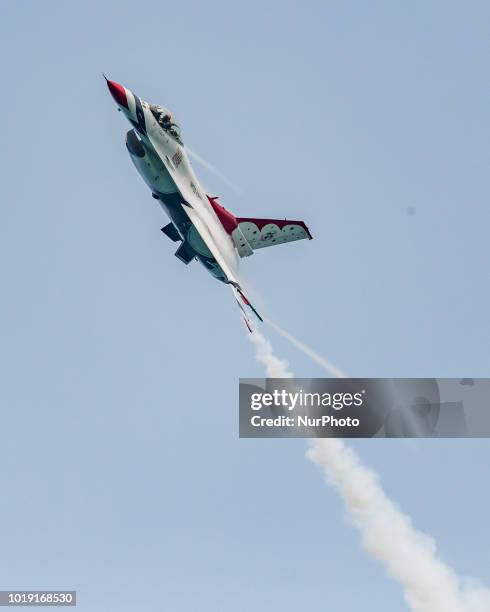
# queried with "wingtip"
point(308, 233)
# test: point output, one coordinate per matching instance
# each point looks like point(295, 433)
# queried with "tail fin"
point(243, 301)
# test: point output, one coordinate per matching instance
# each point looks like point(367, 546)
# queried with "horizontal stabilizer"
point(171, 231)
point(242, 301)
point(260, 233)
point(248, 324)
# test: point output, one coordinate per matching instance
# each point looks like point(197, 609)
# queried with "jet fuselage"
point(157, 151)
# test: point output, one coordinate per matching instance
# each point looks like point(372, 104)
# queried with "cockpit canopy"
point(166, 121)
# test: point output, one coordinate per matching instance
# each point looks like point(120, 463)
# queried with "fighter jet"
point(207, 232)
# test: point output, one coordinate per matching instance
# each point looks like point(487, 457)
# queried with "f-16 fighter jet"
point(206, 231)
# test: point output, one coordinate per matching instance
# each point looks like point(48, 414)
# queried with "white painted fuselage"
point(161, 159)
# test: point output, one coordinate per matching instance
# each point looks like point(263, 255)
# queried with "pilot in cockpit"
point(166, 121)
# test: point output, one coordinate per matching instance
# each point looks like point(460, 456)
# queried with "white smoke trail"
point(326, 365)
point(387, 534)
point(213, 170)
point(274, 367)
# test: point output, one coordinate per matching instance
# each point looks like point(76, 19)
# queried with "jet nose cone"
point(118, 93)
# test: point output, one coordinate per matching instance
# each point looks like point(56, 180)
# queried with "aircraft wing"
point(260, 233)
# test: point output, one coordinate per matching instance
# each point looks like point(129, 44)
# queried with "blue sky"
point(122, 473)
